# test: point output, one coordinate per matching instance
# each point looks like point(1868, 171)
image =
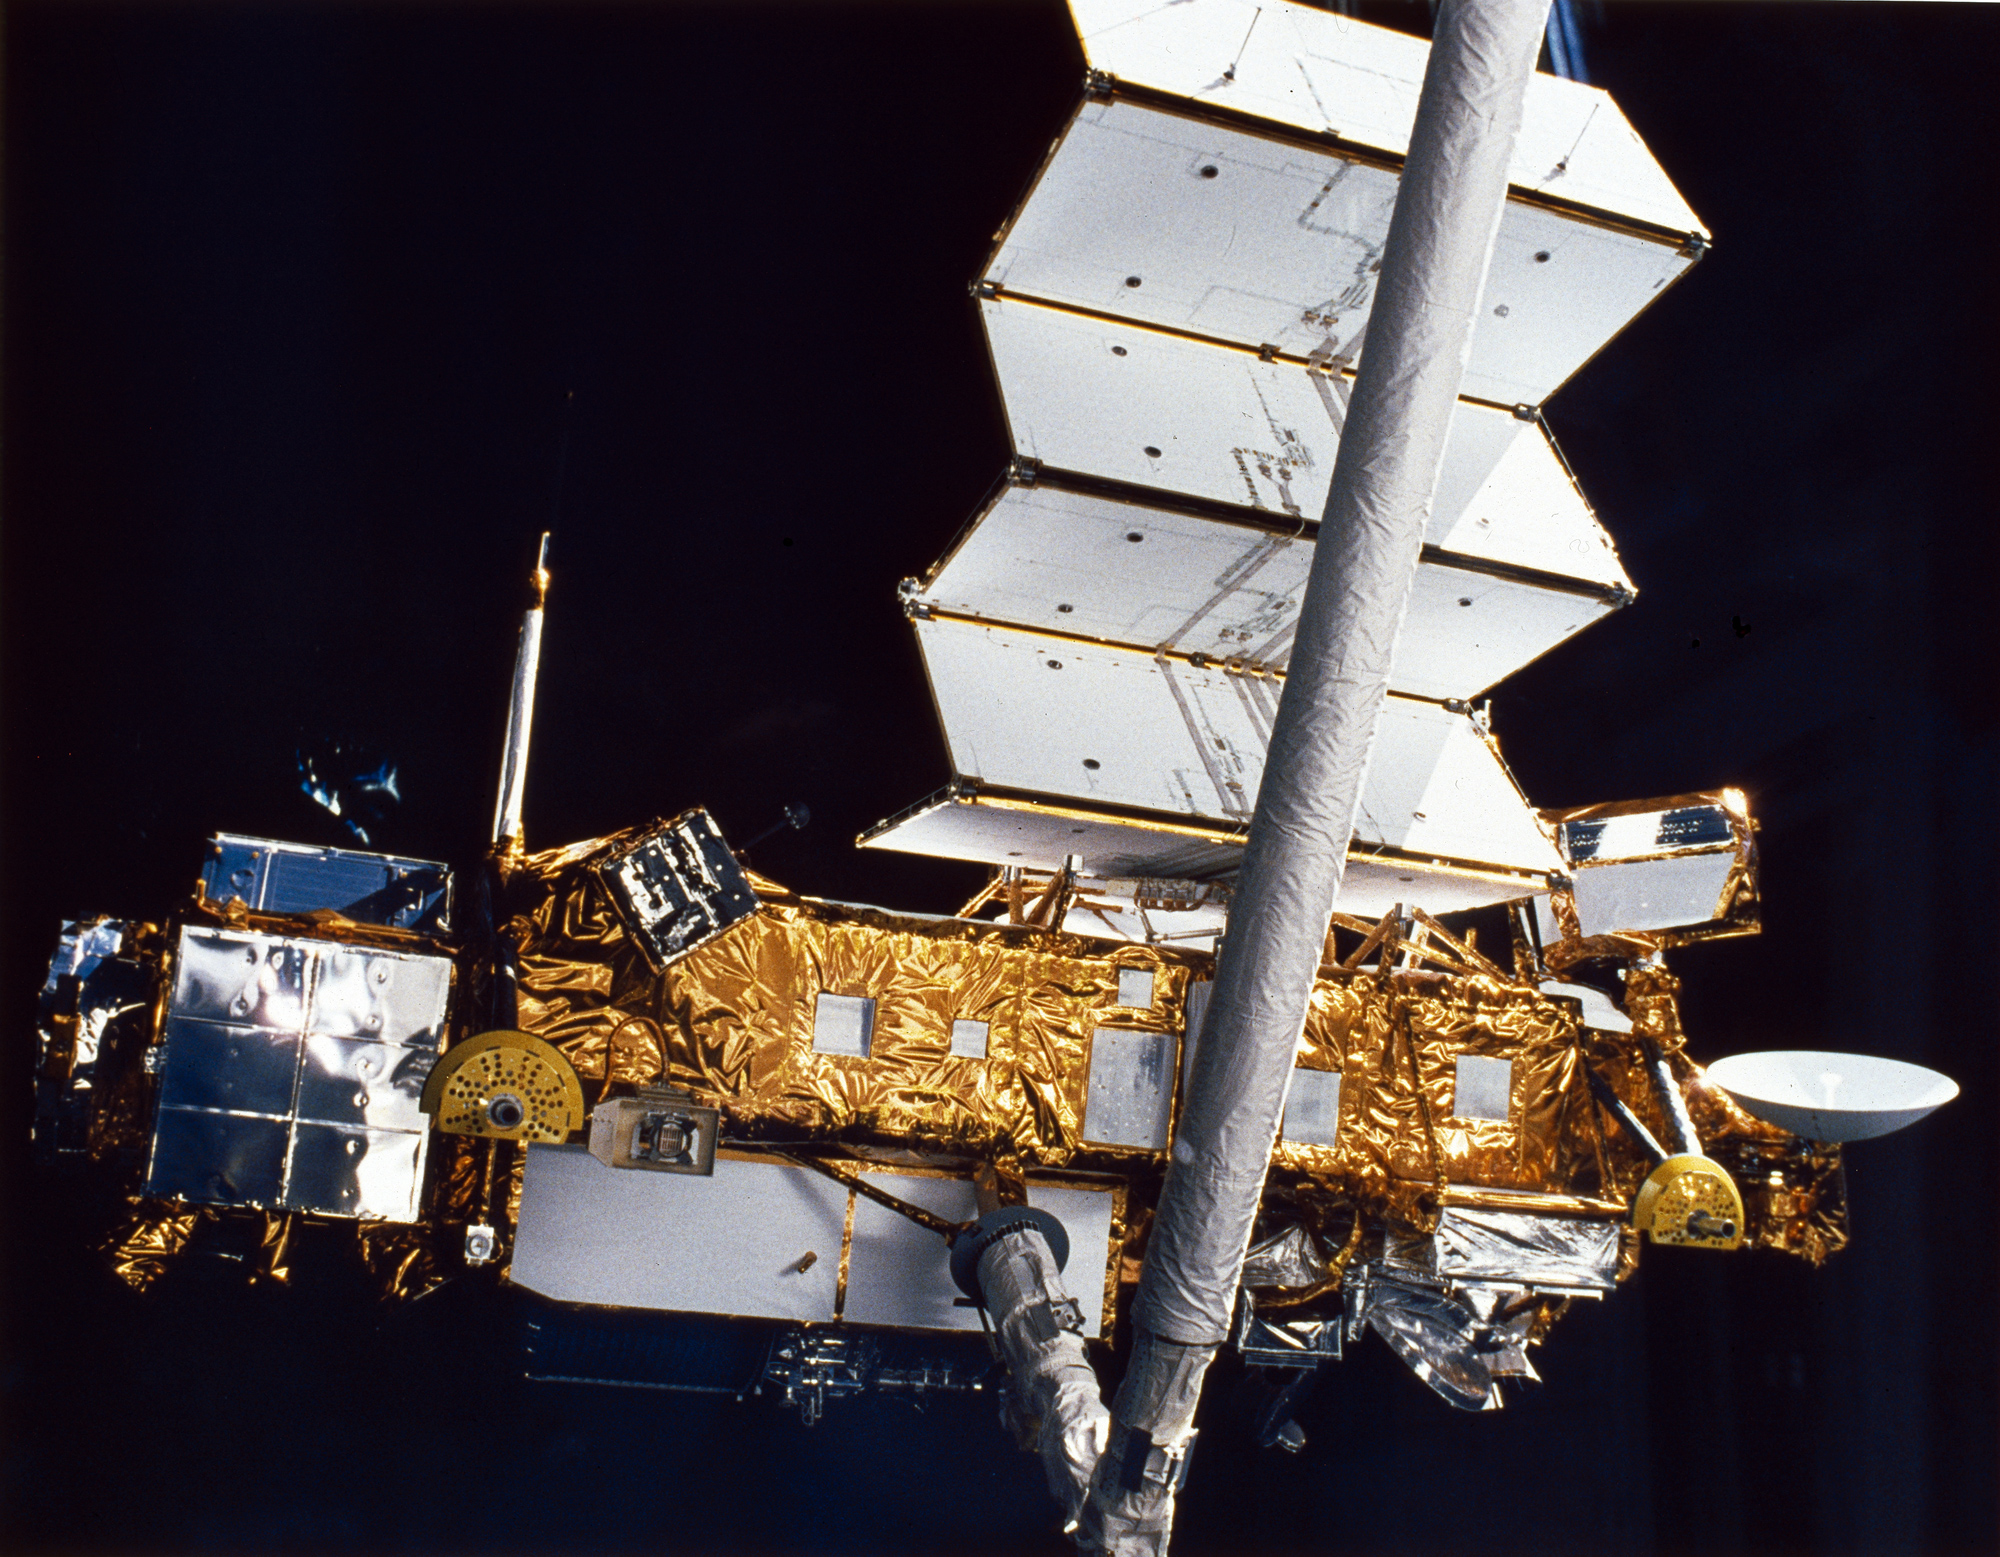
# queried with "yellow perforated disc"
point(508, 1085)
point(1690, 1200)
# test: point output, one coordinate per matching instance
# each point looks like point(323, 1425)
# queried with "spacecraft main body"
point(630, 1074)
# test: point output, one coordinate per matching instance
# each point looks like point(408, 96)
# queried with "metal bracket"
point(909, 591)
point(1099, 84)
point(660, 1129)
point(1144, 1461)
point(1267, 352)
point(1024, 470)
point(1695, 247)
point(985, 291)
point(1276, 1343)
point(1527, 413)
point(809, 1366)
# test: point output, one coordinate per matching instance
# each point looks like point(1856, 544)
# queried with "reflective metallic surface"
point(1275, 1341)
point(93, 1020)
point(350, 1081)
point(292, 1073)
point(1289, 1258)
point(1131, 1088)
point(1477, 1244)
point(270, 877)
point(1651, 874)
point(1312, 1108)
point(676, 886)
point(1461, 1344)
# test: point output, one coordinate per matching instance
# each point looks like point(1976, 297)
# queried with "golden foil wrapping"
point(157, 1233)
point(733, 1021)
point(404, 1261)
point(1396, 1043)
point(149, 1239)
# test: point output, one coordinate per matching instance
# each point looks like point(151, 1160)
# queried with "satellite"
point(863, 1150)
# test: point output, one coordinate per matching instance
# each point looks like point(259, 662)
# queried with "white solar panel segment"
point(1175, 313)
point(1004, 830)
point(1176, 221)
point(1023, 831)
point(1312, 70)
point(1160, 413)
point(1112, 728)
point(1131, 573)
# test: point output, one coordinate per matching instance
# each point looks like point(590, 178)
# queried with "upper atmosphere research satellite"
point(631, 1074)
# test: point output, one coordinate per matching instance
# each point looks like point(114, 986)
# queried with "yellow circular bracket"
point(508, 1085)
point(1690, 1200)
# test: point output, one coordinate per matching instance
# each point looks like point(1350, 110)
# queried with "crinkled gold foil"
point(1396, 1043)
point(148, 1240)
point(157, 1232)
point(733, 1020)
point(404, 1261)
point(274, 1242)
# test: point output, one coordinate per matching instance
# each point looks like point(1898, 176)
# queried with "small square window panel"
point(1131, 1095)
point(1482, 1088)
point(1312, 1107)
point(1135, 988)
point(843, 1024)
point(968, 1039)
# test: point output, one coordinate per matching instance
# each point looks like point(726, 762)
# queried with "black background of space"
point(296, 299)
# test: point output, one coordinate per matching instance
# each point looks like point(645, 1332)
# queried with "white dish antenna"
point(1831, 1097)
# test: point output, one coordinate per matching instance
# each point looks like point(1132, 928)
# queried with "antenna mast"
point(507, 835)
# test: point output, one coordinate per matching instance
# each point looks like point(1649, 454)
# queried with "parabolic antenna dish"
point(1831, 1097)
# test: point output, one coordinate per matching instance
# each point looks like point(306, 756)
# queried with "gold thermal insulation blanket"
point(1396, 1042)
point(734, 1020)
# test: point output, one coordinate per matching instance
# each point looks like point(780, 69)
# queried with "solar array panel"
point(1175, 315)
